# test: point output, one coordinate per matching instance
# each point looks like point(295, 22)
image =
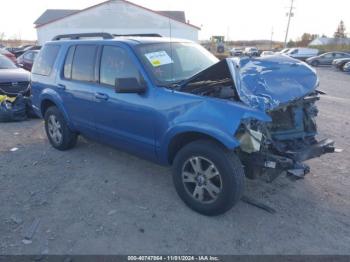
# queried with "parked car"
point(283, 51)
point(13, 80)
point(8, 54)
point(216, 122)
point(267, 53)
point(340, 63)
point(27, 59)
point(12, 49)
point(326, 58)
point(236, 51)
point(251, 51)
point(346, 67)
point(302, 53)
point(27, 48)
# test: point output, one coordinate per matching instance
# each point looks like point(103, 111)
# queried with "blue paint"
point(268, 82)
point(145, 124)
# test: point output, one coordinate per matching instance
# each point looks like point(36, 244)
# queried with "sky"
point(235, 19)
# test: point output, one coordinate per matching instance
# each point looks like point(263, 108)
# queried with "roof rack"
point(141, 35)
point(82, 35)
point(102, 35)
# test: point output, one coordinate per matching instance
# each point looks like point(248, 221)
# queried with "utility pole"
point(290, 14)
point(271, 42)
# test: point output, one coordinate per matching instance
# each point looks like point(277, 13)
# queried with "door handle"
point(61, 86)
point(101, 96)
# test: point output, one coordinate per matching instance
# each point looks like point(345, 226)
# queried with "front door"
point(124, 119)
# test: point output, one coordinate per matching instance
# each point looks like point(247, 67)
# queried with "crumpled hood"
point(268, 82)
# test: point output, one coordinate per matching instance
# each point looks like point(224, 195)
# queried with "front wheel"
point(207, 177)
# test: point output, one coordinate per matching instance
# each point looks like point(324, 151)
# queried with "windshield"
point(6, 63)
point(170, 63)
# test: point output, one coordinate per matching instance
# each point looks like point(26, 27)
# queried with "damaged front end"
point(284, 143)
point(283, 88)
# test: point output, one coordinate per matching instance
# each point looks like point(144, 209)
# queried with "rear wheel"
point(342, 67)
point(207, 177)
point(57, 130)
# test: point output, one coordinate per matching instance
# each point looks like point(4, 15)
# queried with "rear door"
point(329, 58)
point(76, 85)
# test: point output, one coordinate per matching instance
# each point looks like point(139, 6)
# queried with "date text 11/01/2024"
point(173, 258)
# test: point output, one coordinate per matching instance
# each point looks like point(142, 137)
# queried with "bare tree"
point(340, 32)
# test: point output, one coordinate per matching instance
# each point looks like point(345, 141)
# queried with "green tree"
point(291, 43)
point(306, 38)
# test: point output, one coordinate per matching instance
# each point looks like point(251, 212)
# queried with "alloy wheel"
point(55, 129)
point(201, 179)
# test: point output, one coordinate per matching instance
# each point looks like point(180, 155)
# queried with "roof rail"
point(141, 35)
point(81, 35)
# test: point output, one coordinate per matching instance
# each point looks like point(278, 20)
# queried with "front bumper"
point(315, 150)
point(291, 161)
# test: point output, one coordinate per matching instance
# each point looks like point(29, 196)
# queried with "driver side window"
point(116, 63)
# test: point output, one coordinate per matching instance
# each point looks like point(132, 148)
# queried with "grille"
point(282, 120)
point(12, 88)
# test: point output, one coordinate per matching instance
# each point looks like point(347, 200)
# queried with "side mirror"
point(129, 85)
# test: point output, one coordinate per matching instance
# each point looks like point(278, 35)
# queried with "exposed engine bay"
point(285, 89)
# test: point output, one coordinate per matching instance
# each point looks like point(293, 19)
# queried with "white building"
point(115, 17)
point(329, 41)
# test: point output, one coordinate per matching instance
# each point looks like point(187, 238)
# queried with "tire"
point(68, 138)
point(342, 67)
point(315, 63)
point(227, 176)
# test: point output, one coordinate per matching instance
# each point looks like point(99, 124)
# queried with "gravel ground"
point(97, 200)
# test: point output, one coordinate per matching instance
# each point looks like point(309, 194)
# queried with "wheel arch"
point(45, 104)
point(48, 99)
point(181, 139)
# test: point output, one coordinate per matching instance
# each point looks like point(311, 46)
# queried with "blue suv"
point(172, 102)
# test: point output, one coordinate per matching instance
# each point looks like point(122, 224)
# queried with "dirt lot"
point(98, 200)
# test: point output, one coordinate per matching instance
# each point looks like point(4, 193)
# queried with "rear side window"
point(46, 59)
point(337, 55)
point(83, 65)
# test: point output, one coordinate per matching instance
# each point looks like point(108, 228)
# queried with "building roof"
point(52, 15)
point(176, 15)
point(330, 41)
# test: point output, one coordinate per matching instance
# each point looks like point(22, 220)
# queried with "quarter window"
point(44, 63)
point(116, 63)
